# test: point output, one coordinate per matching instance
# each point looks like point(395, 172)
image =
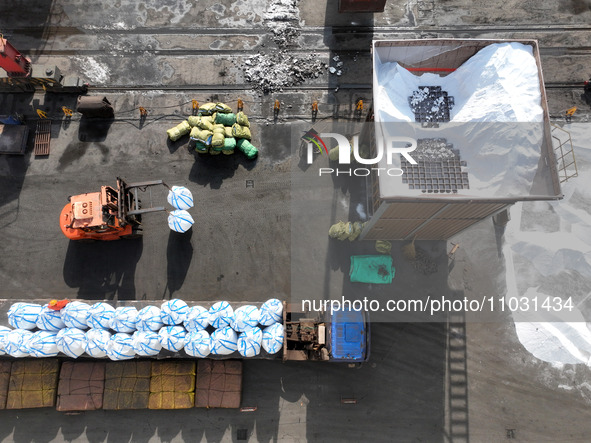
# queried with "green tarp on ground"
point(371, 269)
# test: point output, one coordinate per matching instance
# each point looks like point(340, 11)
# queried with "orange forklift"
point(111, 214)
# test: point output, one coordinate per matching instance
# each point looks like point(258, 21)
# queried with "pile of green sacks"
point(216, 130)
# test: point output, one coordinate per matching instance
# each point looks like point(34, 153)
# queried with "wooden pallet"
point(42, 137)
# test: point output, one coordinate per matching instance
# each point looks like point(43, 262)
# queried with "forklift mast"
point(129, 204)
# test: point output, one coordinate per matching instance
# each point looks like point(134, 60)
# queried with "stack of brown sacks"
point(4, 379)
point(127, 385)
point(32, 383)
point(81, 386)
point(172, 385)
point(215, 130)
point(219, 384)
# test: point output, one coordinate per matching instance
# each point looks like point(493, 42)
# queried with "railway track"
point(554, 51)
point(216, 88)
point(246, 86)
point(56, 43)
point(36, 31)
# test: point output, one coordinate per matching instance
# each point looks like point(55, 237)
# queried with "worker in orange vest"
point(56, 305)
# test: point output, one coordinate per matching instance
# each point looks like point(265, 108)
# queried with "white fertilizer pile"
point(495, 118)
point(498, 84)
point(548, 254)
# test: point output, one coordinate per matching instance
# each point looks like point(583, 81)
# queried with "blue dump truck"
point(338, 336)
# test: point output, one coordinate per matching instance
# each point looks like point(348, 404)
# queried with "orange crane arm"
point(12, 61)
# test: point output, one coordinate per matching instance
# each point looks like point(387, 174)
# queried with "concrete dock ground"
point(245, 234)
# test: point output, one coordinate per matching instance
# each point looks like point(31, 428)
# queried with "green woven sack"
point(225, 119)
point(242, 119)
point(201, 147)
point(229, 144)
point(214, 151)
point(240, 131)
point(247, 148)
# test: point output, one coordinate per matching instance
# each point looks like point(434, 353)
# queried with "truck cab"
point(337, 336)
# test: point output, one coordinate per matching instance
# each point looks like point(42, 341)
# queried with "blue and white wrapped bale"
point(180, 221)
point(125, 319)
point(50, 320)
point(96, 342)
point(172, 338)
point(174, 312)
point(16, 342)
point(221, 315)
point(197, 319)
point(273, 338)
point(245, 317)
point(198, 343)
point(71, 341)
point(3, 334)
point(180, 197)
point(100, 315)
point(120, 347)
point(224, 341)
point(146, 343)
point(43, 344)
point(271, 312)
point(74, 315)
point(24, 315)
point(249, 342)
point(149, 319)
